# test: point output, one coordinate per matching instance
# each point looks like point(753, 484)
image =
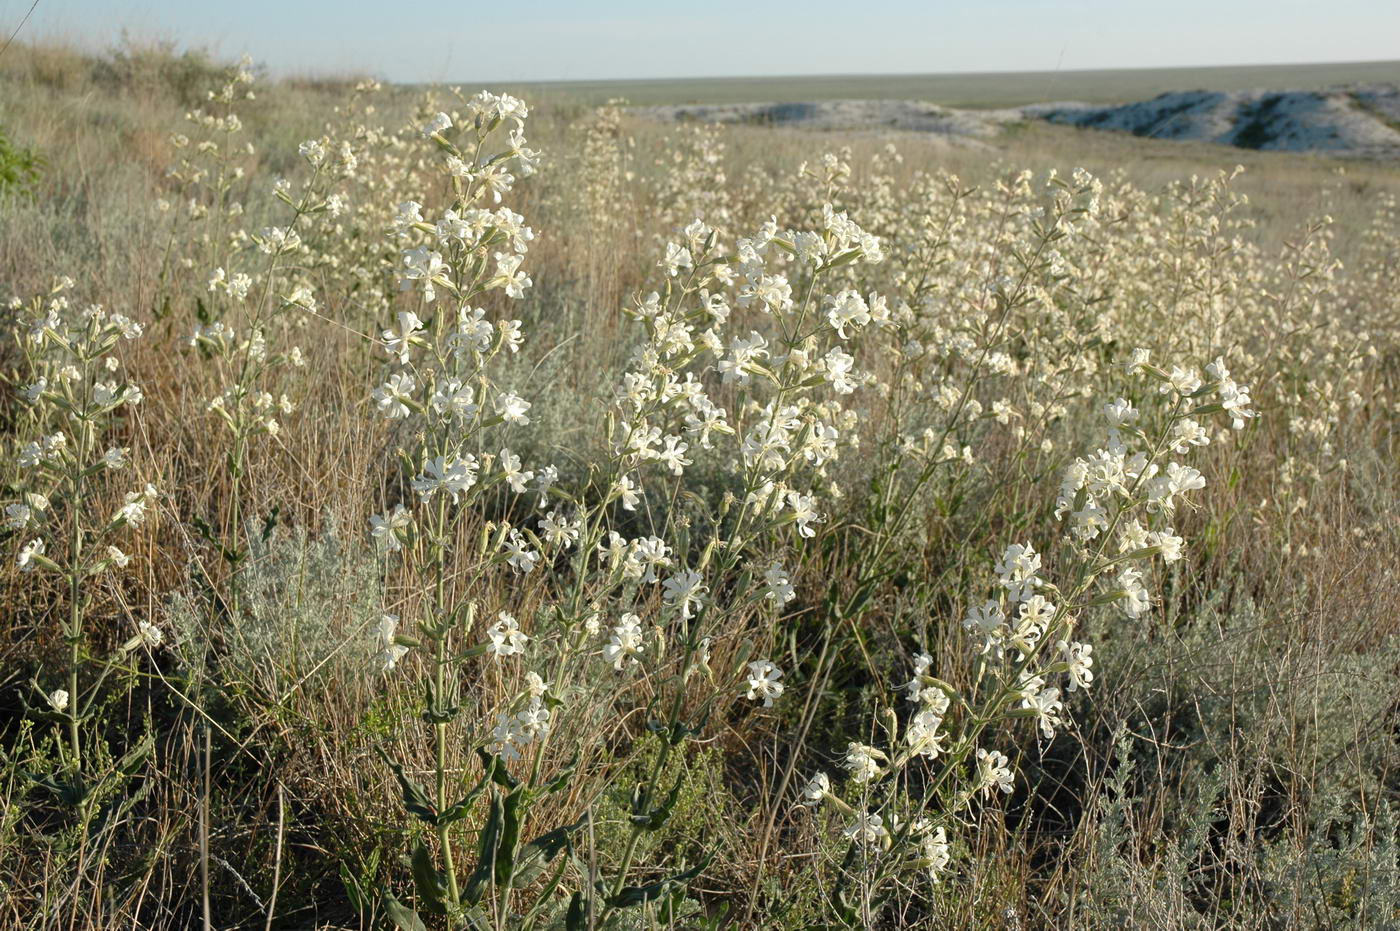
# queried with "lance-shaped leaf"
point(651, 819)
point(415, 797)
point(428, 880)
point(532, 858)
point(636, 895)
point(403, 916)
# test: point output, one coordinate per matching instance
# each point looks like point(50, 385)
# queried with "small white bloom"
point(626, 643)
point(684, 590)
point(507, 639)
point(439, 123)
point(763, 682)
point(816, 789)
point(29, 554)
point(150, 634)
point(867, 829)
point(863, 762)
point(993, 771)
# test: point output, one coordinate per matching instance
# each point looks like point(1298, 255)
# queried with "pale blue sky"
point(520, 40)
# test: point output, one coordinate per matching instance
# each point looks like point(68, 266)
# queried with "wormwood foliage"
point(19, 167)
point(635, 532)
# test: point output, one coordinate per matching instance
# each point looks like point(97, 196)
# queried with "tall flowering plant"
point(77, 397)
point(903, 802)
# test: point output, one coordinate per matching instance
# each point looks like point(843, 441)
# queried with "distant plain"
point(972, 90)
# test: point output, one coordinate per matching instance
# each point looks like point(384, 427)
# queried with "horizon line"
point(937, 74)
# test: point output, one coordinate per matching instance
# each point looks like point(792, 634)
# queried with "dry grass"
point(1236, 746)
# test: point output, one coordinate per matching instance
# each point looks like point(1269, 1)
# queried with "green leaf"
point(270, 524)
point(71, 793)
point(134, 757)
point(636, 895)
point(653, 819)
point(428, 880)
point(561, 781)
point(354, 893)
point(576, 918)
point(463, 806)
point(510, 836)
point(403, 916)
point(486, 852)
point(534, 857)
point(496, 769)
point(415, 797)
point(435, 709)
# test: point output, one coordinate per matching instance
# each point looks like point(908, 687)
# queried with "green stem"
point(440, 687)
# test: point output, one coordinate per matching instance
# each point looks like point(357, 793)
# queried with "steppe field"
point(856, 503)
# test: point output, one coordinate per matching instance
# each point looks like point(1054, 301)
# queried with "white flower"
point(387, 528)
point(423, 265)
point(395, 397)
point(816, 789)
point(677, 257)
point(866, 829)
point(452, 398)
point(511, 408)
point(559, 531)
point(510, 470)
point(1077, 657)
point(544, 480)
point(1136, 599)
point(18, 516)
point(804, 513)
point(58, 700)
point(150, 634)
point(684, 590)
point(389, 657)
point(399, 344)
point(507, 639)
point(780, 589)
point(313, 150)
point(626, 493)
point(512, 278)
point(993, 771)
point(519, 554)
point(763, 682)
point(535, 684)
point(29, 555)
point(847, 309)
point(439, 123)
point(673, 455)
point(915, 686)
point(936, 852)
point(923, 735)
point(1017, 571)
point(275, 240)
point(452, 476)
point(1046, 704)
point(989, 621)
point(1186, 433)
point(863, 762)
point(626, 644)
point(504, 737)
point(383, 634)
point(118, 558)
point(384, 629)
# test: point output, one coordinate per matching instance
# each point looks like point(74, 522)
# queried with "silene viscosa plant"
point(78, 398)
point(903, 803)
point(763, 406)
